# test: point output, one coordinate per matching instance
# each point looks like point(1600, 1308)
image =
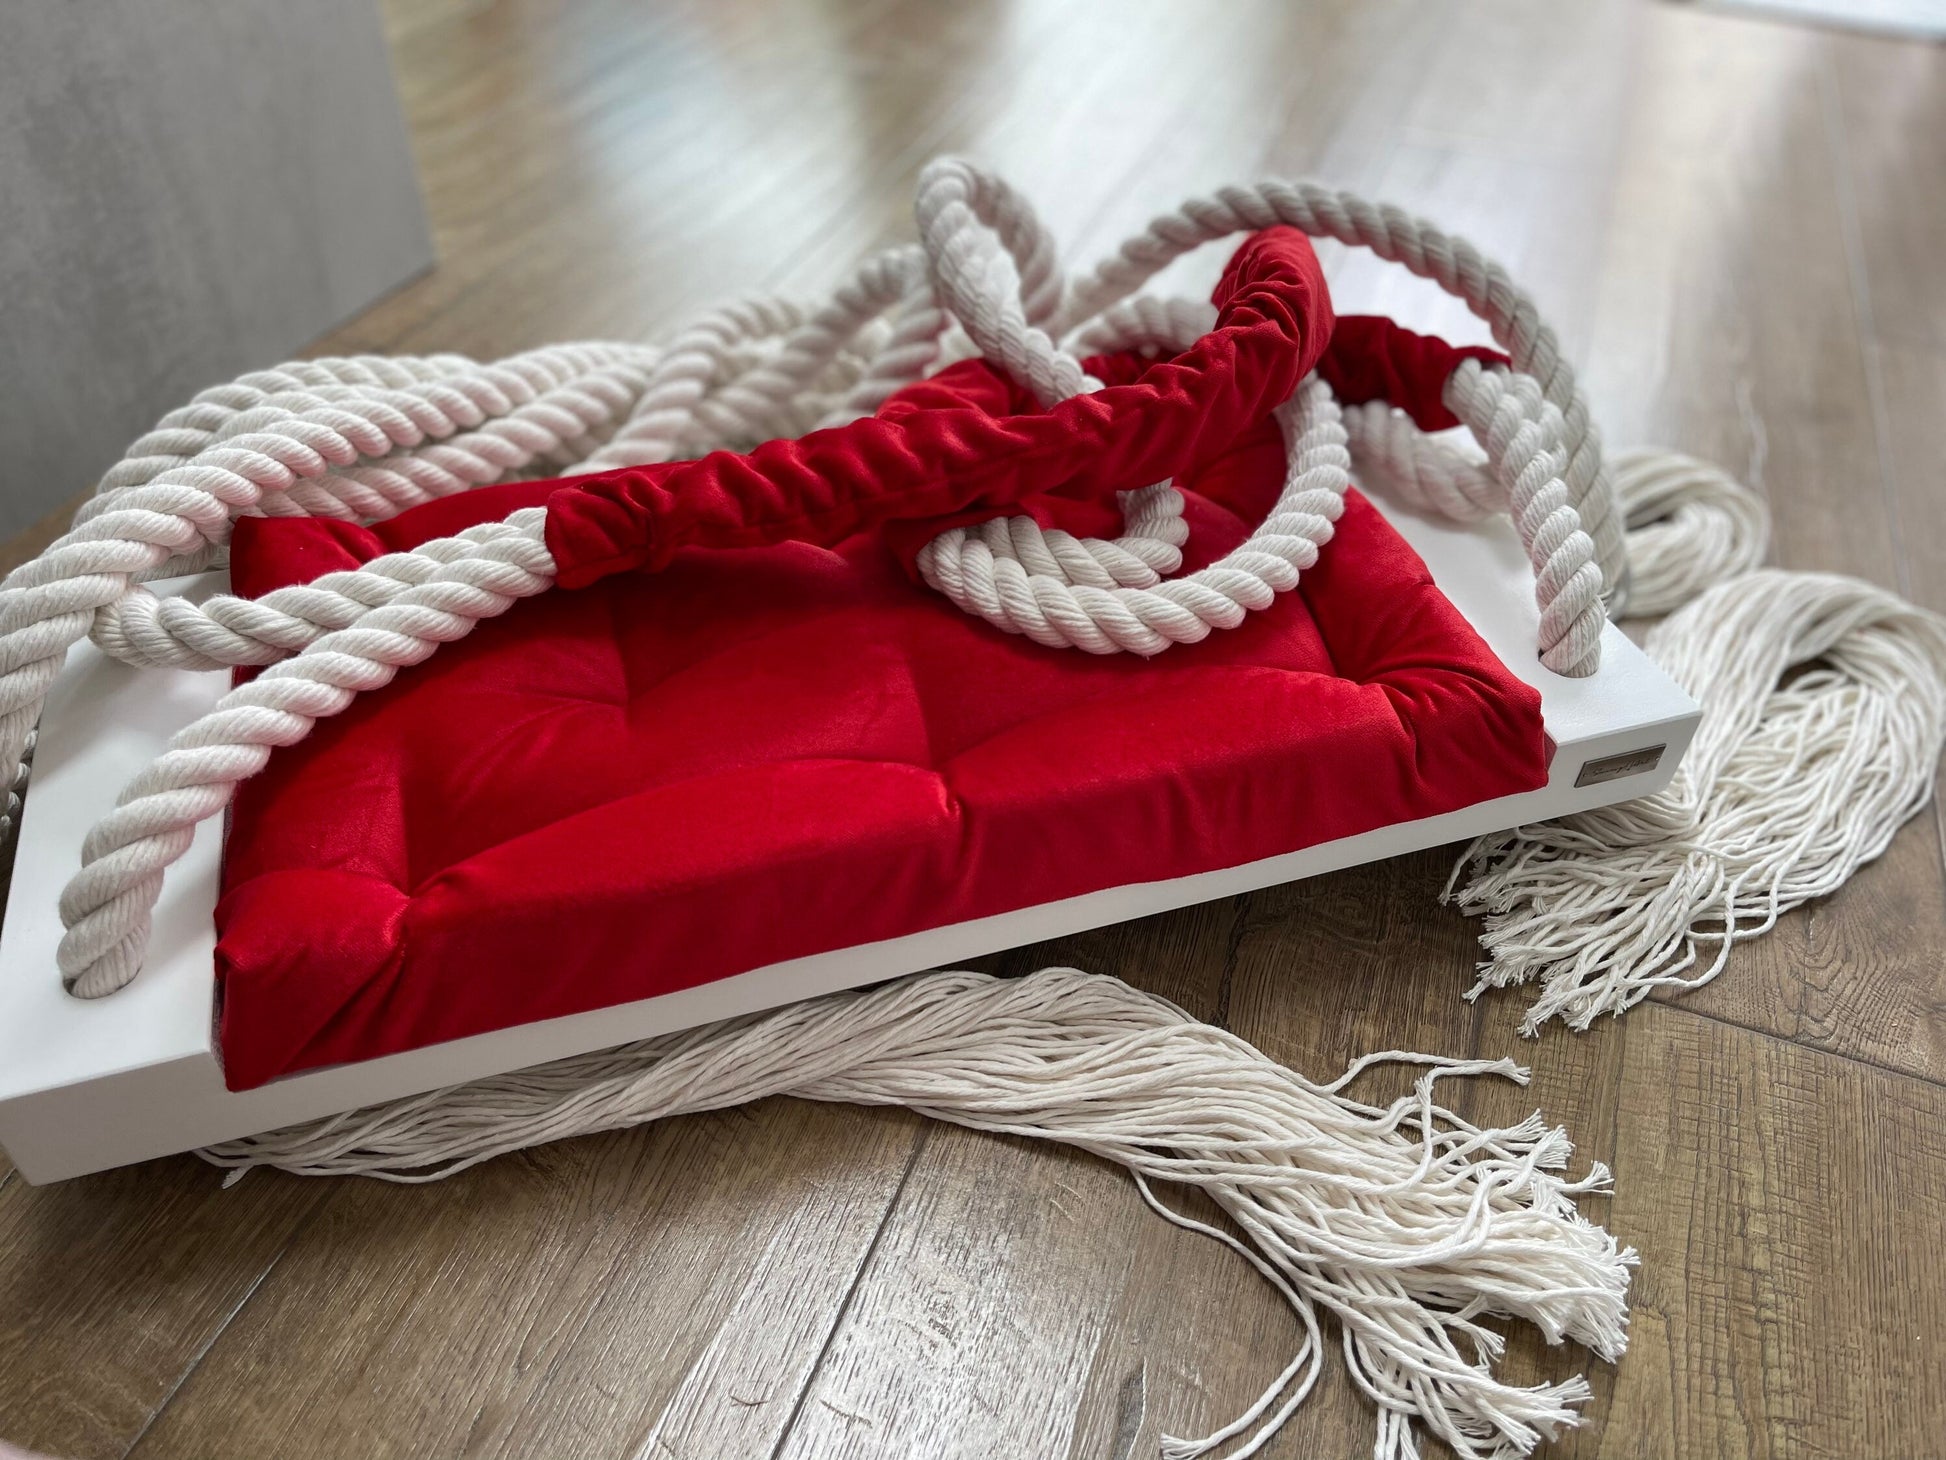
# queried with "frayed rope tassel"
point(1403, 1222)
point(1824, 714)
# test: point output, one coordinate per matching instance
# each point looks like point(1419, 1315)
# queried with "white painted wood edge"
point(90, 1084)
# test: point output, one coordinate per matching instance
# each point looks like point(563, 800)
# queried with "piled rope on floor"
point(1823, 718)
point(1405, 1223)
point(1824, 709)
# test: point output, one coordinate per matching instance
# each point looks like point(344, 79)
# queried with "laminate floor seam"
point(1776, 1038)
point(324, 1201)
point(920, 1142)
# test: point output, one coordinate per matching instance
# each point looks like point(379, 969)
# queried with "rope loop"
point(368, 437)
point(1398, 237)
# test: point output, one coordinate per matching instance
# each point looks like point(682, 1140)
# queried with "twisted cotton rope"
point(371, 437)
point(1520, 432)
point(990, 265)
point(714, 384)
point(1404, 1222)
point(1101, 617)
point(344, 438)
point(1681, 524)
point(1792, 784)
point(1105, 597)
point(648, 426)
point(1409, 466)
point(353, 631)
point(1398, 237)
point(1690, 526)
point(106, 906)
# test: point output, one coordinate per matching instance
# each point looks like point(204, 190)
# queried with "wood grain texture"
point(1733, 322)
point(1735, 227)
point(1888, 102)
point(112, 1289)
point(601, 1296)
point(1793, 1287)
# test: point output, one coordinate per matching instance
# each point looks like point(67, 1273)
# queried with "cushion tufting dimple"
point(760, 754)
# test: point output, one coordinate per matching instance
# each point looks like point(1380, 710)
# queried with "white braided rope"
point(1026, 592)
point(290, 440)
point(1691, 525)
point(1405, 1223)
point(716, 385)
point(1395, 457)
point(106, 906)
point(359, 628)
point(993, 265)
point(1396, 236)
point(354, 630)
point(1522, 434)
point(364, 438)
point(993, 268)
point(361, 438)
point(1519, 431)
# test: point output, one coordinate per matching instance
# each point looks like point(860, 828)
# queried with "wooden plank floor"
point(1736, 225)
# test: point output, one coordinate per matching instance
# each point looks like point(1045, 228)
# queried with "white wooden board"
point(89, 1084)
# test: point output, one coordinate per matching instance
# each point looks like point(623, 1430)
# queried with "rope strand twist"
point(365, 439)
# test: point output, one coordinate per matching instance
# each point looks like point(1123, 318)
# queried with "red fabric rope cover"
point(1367, 357)
point(1372, 358)
point(941, 459)
point(968, 443)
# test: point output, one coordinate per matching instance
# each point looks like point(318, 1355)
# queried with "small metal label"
point(1614, 767)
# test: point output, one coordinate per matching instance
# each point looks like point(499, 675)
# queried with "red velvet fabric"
point(1367, 357)
point(756, 755)
point(1371, 358)
point(772, 748)
point(1274, 320)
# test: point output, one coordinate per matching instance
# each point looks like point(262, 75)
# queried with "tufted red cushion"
point(779, 744)
point(760, 754)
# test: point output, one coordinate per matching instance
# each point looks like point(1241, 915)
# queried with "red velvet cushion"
point(760, 754)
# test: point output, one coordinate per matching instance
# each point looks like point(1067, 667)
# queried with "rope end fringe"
point(1823, 718)
point(1404, 1222)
